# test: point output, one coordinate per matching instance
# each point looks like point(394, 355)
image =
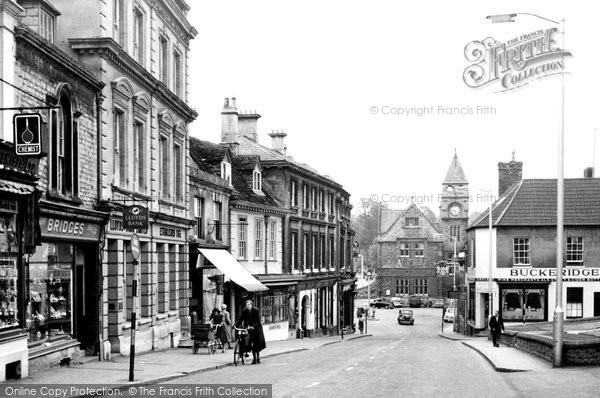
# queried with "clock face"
point(455, 210)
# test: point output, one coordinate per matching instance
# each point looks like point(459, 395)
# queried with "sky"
point(331, 73)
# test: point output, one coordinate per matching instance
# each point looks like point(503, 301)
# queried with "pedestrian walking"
point(496, 327)
point(250, 318)
point(361, 313)
point(226, 325)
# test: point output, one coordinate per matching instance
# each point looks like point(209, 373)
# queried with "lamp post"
point(454, 264)
point(558, 329)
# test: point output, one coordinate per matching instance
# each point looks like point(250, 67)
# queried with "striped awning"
point(16, 188)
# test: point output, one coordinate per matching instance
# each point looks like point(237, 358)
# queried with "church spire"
point(455, 174)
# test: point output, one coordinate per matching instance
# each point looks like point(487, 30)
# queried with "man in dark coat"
point(496, 327)
point(250, 318)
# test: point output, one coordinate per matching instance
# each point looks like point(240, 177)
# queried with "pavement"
point(503, 358)
point(161, 366)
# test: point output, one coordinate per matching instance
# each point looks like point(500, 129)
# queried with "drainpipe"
point(266, 259)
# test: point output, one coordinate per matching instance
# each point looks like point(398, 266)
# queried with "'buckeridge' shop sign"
point(548, 274)
point(515, 62)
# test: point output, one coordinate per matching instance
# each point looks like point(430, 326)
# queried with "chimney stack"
point(277, 143)
point(248, 122)
point(509, 174)
point(229, 121)
point(588, 172)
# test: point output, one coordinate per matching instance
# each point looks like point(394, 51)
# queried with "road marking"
point(312, 385)
point(350, 368)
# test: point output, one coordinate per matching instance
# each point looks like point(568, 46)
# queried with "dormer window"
point(226, 171)
point(40, 16)
point(256, 180)
point(47, 23)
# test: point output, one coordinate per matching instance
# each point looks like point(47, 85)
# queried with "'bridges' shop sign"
point(515, 62)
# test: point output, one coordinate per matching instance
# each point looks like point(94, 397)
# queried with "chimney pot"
point(232, 102)
point(226, 104)
point(588, 172)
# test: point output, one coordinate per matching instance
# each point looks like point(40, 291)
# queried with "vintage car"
point(405, 317)
point(382, 303)
point(399, 301)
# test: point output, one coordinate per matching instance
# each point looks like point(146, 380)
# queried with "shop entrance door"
point(86, 299)
point(596, 303)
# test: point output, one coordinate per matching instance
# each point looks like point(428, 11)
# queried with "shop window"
point(574, 302)
point(523, 304)
point(9, 252)
point(574, 250)
point(273, 308)
point(50, 292)
point(521, 251)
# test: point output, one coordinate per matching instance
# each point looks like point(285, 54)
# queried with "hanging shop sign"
point(135, 217)
point(10, 161)
point(27, 134)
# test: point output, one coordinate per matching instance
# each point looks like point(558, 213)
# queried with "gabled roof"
point(455, 174)
point(242, 170)
point(208, 155)
point(397, 230)
point(532, 202)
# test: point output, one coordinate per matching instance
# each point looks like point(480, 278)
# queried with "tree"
point(366, 224)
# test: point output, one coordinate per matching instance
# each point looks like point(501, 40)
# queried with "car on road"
point(449, 315)
point(405, 317)
point(399, 301)
point(382, 303)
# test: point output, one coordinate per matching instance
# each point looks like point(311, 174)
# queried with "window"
point(9, 279)
point(218, 208)
point(411, 222)
point(404, 249)
point(401, 286)
point(575, 250)
point(47, 23)
point(314, 253)
point(243, 236)
point(304, 252)
point(305, 198)
point(258, 235)
point(273, 308)
point(178, 154)
point(574, 302)
point(63, 178)
point(419, 249)
point(256, 180)
point(119, 22)
point(294, 193)
point(323, 252)
point(331, 204)
point(294, 251)
point(139, 154)
point(164, 168)
point(321, 201)
point(272, 240)
point(421, 286)
point(331, 252)
point(163, 57)
point(315, 199)
point(138, 35)
point(226, 171)
point(199, 215)
point(177, 74)
point(521, 251)
point(120, 139)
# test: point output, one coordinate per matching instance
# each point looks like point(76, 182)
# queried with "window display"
point(9, 252)
point(523, 304)
point(49, 281)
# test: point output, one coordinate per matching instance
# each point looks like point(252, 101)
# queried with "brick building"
point(55, 311)
point(415, 249)
point(523, 279)
point(139, 50)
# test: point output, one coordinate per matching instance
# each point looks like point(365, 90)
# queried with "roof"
point(208, 155)
point(242, 170)
point(397, 230)
point(532, 202)
point(455, 174)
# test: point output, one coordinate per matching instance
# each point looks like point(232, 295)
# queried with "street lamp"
point(558, 310)
point(490, 254)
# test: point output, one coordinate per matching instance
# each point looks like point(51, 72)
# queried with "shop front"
point(62, 286)
point(524, 302)
point(18, 237)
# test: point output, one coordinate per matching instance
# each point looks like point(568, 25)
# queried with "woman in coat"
point(250, 318)
point(226, 326)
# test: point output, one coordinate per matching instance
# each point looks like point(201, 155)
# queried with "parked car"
point(382, 303)
point(414, 301)
point(405, 317)
point(449, 315)
point(399, 301)
point(438, 303)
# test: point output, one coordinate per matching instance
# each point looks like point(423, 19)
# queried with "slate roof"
point(532, 202)
point(455, 174)
point(208, 155)
point(397, 230)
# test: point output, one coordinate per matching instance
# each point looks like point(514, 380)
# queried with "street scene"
point(294, 200)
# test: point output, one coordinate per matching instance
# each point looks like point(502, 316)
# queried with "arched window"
point(63, 146)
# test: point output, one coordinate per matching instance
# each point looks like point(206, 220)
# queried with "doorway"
point(596, 303)
point(86, 298)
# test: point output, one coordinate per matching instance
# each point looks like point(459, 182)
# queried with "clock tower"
point(454, 202)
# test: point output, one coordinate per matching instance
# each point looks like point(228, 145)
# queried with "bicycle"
point(216, 342)
point(242, 343)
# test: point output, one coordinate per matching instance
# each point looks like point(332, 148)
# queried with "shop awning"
point(235, 271)
point(16, 188)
